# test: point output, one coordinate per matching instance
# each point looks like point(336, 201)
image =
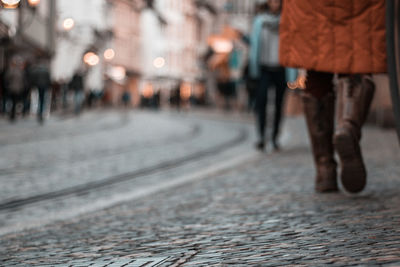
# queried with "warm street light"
point(10, 4)
point(186, 91)
point(68, 24)
point(91, 59)
point(159, 62)
point(109, 54)
point(222, 46)
point(118, 73)
point(33, 3)
point(148, 91)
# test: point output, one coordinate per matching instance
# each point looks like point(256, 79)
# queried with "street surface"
point(174, 189)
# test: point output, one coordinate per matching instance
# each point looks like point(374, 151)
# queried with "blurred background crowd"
point(67, 55)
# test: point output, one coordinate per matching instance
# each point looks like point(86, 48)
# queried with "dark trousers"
point(26, 102)
point(41, 103)
point(270, 77)
point(4, 100)
point(319, 84)
point(15, 99)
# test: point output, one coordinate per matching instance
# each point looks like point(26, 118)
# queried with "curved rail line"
point(195, 130)
point(54, 136)
point(87, 187)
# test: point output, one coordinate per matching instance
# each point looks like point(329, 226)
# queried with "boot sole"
point(326, 189)
point(326, 186)
point(353, 173)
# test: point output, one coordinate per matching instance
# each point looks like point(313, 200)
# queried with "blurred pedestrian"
point(175, 97)
point(251, 89)
point(64, 94)
point(26, 95)
point(346, 37)
point(126, 98)
point(220, 64)
point(3, 88)
point(14, 80)
point(55, 95)
point(42, 81)
point(224, 59)
point(264, 66)
point(77, 85)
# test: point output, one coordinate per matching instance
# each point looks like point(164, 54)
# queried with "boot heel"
point(353, 172)
point(344, 145)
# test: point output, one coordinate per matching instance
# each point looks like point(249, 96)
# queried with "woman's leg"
point(261, 103)
point(14, 102)
point(280, 88)
point(42, 94)
point(355, 94)
point(319, 104)
point(319, 84)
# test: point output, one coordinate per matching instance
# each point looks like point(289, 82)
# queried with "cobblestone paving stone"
point(264, 213)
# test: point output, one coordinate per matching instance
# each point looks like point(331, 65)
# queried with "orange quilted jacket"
point(339, 36)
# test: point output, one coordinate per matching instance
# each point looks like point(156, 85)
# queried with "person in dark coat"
point(41, 80)
point(14, 80)
point(77, 85)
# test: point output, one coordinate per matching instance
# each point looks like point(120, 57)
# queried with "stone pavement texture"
point(68, 153)
point(100, 147)
point(259, 213)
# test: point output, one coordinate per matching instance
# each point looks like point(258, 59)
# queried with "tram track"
point(14, 204)
point(53, 136)
point(194, 131)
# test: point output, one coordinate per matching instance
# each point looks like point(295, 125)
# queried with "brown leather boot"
point(319, 114)
point(354, 95)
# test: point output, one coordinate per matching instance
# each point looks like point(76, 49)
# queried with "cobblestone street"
point(175, 189)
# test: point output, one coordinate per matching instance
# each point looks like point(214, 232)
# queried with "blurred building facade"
point(237, 13)
point(82, 27)
point(156, 45)
point(124, 69)
point(177, 61)
point(159, 44)
point(28, 30)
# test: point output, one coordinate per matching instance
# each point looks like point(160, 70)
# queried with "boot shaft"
point(319, 115)
point(354, 97)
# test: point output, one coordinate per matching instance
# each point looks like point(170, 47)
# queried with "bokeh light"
point(33, 2)
point(159, 62)
point(91, 59)
point(10, 3)
point(148, 91)
point(222, 46)
point(118, 73)
point(68, 24)
point(186, 91)
point(109, 54)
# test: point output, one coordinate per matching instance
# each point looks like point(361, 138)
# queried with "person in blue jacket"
point(264, 66)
